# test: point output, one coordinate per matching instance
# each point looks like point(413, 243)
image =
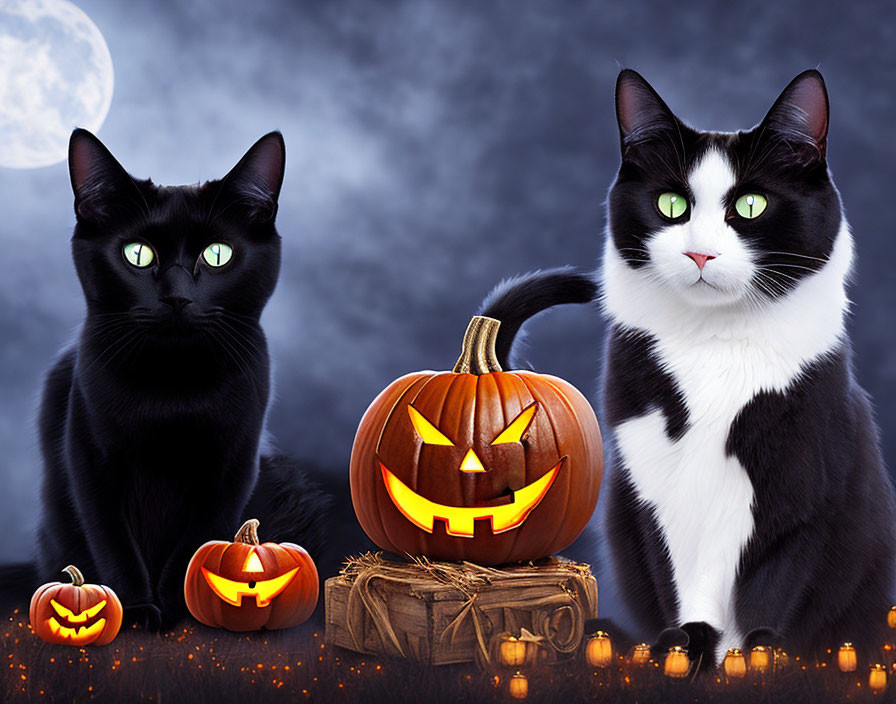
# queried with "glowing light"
point(253, 563)
point(72, 617)
point(461, 519)
point(471, 463)
point(514, 431)
point(76, 634)
point(428, 433)
point(233, 592)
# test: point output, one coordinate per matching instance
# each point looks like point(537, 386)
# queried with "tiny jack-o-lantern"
point(677, 663)
point(846, 658)
point(513, 651)
point(519, 686)
point(735, 664)
point(76, 613)
point(760, 659)
point(599, 650)
point(478, 463)
point(891, 617)
point(877, 678)
point(246, 585)
point(641, 655)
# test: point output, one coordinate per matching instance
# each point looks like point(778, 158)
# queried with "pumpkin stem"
point(478, 353)
point(75, 574)
point(248, 533)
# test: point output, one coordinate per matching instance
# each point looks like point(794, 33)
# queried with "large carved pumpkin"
point(477, 464)
point(76, 613)
point(246, 585)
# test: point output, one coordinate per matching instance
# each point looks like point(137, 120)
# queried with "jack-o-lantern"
point(246, 585)
point(76, 613)
point(478, 463)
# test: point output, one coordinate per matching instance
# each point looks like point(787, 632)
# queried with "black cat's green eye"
point(750, 205)
point(217, 254)
point(138, 254)
point(672, 205)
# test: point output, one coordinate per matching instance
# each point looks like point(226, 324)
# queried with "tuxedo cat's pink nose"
point(699, 258)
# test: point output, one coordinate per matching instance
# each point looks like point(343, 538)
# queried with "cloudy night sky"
point(432, 149)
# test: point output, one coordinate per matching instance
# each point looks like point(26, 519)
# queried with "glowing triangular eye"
point(253, 564)
point(514, 431)
point(427, 431)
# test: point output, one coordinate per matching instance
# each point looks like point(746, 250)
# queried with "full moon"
point(55, 74)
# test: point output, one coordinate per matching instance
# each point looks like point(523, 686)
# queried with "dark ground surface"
point(204, 665)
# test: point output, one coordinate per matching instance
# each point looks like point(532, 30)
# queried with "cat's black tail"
point(515, 300)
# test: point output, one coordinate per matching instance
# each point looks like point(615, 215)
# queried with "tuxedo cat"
point(152, 421)
point(749, 503)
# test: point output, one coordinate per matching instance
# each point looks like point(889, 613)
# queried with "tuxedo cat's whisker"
point(823, 260)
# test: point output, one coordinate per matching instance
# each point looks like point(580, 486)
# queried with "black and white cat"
point(152, 421)
point(749, 502)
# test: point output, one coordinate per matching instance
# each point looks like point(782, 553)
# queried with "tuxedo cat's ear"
point(256, 180)
point(800, 116)
point(99, 182)
point(640, 110)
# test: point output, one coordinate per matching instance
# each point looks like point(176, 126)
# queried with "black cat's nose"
point(177, 303)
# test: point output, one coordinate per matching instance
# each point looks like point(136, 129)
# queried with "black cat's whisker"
point(251, 351)
point(111, 347)
point(242, 359)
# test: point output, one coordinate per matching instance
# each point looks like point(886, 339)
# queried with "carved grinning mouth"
point(233, 592)
point(65, 623)
point(460, 521)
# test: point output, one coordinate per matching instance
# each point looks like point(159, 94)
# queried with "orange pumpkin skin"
point(78, 599)
point(471, 410)
point(289, 605)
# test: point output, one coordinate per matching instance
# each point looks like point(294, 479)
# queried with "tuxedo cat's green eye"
point(217, 254)
point(750, 206)
point(672, 205)
point(140, 255)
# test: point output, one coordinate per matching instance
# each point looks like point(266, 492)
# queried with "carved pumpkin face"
point(77, 613)
point(246, 585)
point(490, 467)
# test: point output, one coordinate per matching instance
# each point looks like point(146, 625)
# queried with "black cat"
point(152, 421)
point(749, 503)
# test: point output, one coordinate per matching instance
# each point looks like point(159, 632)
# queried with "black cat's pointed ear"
point(640, 110)
point(800, 117)
point(256, 180)
point(99, 182)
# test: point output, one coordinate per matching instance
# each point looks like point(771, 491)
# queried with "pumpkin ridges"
point(397, 425)
point(364, 478)
point(508, 387)
point(577, 406)
point(568, 469)
point(542, 426)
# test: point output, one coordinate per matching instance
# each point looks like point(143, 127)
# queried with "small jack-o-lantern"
point(477, 464)
point(77, 613)
point(246, 585)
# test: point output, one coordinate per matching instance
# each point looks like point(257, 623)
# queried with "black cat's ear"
point(640, 110)
point(256, 180)
point(800, 116)
point(99, 182)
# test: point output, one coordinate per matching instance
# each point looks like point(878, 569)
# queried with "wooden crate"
point(441, 613)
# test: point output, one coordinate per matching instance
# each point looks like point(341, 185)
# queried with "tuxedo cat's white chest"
point(719, 360)
point(701, 498)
